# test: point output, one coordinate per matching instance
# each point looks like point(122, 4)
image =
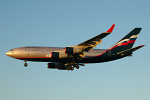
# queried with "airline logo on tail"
point(132, 39)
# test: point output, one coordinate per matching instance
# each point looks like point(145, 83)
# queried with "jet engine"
point(57, 66)
point(72, 50)
point(58, 55)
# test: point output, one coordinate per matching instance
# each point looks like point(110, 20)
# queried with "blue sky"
point(60, 23)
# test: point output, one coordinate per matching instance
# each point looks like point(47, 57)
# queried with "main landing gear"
point(25, 64)
point(73, 66)
point(70, 68)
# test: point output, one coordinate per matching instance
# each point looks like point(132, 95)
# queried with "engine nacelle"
point(72, 50)
point(58, 55)
point(57, 66)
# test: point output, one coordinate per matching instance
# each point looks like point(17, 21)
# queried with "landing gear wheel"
point(77, 67)
point(68, 68)
point(74, 65)
point(25, 64)
point(72, 68)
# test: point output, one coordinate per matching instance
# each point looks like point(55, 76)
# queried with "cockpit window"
point(12, 50)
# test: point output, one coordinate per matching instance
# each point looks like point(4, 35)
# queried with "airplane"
point(72, 57)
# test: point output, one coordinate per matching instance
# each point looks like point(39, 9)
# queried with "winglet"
point(111, 29)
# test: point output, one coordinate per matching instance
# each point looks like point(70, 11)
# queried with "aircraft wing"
point(77, 51)
point(93, 42)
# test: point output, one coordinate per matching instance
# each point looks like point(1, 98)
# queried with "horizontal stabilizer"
point(128, 51)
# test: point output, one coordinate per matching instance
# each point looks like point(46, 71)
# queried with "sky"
point(61, 23)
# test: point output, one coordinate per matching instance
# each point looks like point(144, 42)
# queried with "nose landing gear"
point(25, 64)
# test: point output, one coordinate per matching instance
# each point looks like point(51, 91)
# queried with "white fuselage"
point(44, 52)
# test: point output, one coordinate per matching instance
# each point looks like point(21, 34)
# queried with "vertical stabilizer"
point(127, 42)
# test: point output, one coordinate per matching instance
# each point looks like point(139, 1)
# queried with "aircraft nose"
point(8, 53)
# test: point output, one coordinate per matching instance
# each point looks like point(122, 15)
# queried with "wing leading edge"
point(93, 42)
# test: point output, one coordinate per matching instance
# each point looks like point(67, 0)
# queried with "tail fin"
point(126, 42)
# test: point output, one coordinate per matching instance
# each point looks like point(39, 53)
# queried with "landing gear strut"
point(25, 64)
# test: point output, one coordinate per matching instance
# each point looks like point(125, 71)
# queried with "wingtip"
point(111, 29)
